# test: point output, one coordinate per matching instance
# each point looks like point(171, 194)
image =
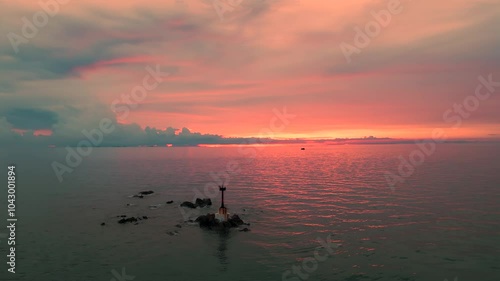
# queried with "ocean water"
point(442, 222)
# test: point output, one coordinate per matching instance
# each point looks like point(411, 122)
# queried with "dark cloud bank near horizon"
point(18, 126)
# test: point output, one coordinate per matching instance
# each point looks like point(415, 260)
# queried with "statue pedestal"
point(222, 215)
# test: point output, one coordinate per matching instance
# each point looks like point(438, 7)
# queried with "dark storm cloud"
point(31, 118)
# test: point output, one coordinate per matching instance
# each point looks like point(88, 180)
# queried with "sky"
point(215, 71)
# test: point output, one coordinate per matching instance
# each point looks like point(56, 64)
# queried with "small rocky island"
point(221, 220)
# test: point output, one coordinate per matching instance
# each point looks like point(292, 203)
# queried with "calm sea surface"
point(442, 222)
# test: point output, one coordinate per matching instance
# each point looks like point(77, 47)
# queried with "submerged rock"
point(154, 207)
point(170, 202)
point(244, 230)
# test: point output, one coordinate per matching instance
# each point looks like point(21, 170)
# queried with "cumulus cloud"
point(20, 127)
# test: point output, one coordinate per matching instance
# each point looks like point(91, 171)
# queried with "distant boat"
point(303, 148)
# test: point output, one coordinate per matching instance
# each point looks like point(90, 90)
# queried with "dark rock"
point(138, 196)
point(145, 217)
point(139, 218)
point(188, 204)
point(132, 219)
point(209, 221)
point(123, 216)
point(147, 192)
point(136, 223)
point(244, 230)
point(178, 225)
point(103, 223)
point(203, 202)
point(199, 202)
point(170, 202)
point(235, 220)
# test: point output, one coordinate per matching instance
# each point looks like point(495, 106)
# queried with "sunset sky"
point(230, 70)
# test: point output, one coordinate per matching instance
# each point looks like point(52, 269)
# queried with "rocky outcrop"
point(236, 221)
point(209, 221)
point(203, 202)
point(134, 220)
point(127, 220)
point(198, 203)
point(188, 205)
